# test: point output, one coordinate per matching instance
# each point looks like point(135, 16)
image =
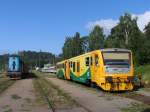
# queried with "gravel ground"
point(20, 97)
point(144, 92)
point(92, 100)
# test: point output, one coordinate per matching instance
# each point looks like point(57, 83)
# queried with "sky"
point(44, 24)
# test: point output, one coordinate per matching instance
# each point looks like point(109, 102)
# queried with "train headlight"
point(109, 79)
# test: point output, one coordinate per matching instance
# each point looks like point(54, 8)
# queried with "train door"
point(78, 68)
point(95, 66)
point(67, 70)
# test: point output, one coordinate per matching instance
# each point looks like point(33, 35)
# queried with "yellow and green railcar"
point(110, 69)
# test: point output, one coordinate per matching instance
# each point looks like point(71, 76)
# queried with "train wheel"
point(93, 85)
point(88, 82)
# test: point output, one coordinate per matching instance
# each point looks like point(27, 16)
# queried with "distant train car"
point(110, 69)
point(51, 69)
point(16, 67)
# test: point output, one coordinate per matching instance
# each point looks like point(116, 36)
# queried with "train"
point(110, 69)
point(51, 69)
point(17, 68)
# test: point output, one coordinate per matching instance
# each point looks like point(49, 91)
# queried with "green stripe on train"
point(83, 78)
point(60, 74)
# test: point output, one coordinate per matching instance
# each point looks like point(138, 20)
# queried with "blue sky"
point(44, 24)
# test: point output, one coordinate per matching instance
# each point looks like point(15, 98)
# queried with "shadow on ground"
point(147, 110)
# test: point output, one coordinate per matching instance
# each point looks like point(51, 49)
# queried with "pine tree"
point(96, 38)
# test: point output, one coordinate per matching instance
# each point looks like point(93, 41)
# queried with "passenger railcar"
point(110, 69)
point(51, 69)
point(16, 68)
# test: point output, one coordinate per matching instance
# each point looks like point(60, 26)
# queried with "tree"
point(77, 44)
point(147, 44)
point(72, 46)
point(147, 31)
point(127, 35)
point(85, 44)
point(68, 48)
point(96, 38)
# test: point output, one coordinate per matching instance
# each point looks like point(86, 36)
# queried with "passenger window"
point(87, 61)
point(74, 66)
point(78, 66)
point(91, 61)
point(96, 60)
point(71, 64)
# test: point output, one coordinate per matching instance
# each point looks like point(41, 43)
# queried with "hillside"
point(32, 58)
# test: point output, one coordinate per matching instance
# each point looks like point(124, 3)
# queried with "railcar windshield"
point(117, 58)
point(117, 62)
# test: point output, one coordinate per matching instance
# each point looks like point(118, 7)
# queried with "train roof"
point(115, 49)
point(14, 56)
point(102, 50)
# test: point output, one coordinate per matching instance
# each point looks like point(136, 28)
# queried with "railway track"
point(49, 98)
point(45, 96)
point(136, 96)
point(131, 95)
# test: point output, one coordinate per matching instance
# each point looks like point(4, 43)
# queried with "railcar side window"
point(91, 61)
point(87, 61)
point(78, 66)
point(96, 60)
point(69, 64)
point(74, 66)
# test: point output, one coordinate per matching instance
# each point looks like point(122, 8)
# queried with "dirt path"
point(94, 101)
point(20, 97)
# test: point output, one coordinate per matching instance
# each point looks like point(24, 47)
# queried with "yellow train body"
point(110, 69)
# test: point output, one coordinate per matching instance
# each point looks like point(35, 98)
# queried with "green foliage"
point(72, 46)
point(96, 38)
point(3, 61)
point(127, 35)
point(146, 43)
point(76, 45)
point(31, 58)
point(136, 107)
point(144, 71)
point(147, 31)
point(85, 43)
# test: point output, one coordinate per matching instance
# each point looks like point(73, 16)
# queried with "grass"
point(49, 75)
point(58, 99)
point(8, 110)
point(146, 89)
point(15, 97)
point(28, 100)
point(2, 75)
point(5, 83)
point(145, 72)
point(136, 107)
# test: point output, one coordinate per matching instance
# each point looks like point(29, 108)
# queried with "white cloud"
point(108, 24)
point(143, 19)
